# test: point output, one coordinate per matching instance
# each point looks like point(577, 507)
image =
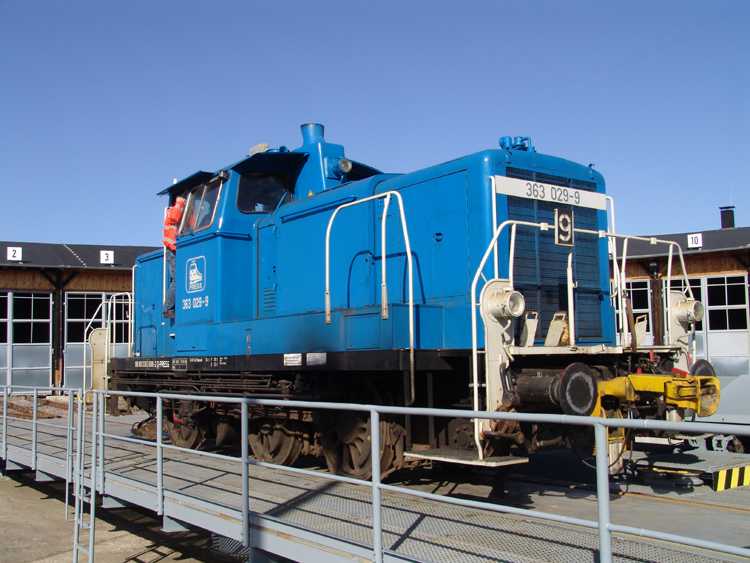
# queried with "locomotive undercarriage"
point(538, 384)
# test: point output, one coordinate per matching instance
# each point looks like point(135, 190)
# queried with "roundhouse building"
point(50, 296)
point(717, 264)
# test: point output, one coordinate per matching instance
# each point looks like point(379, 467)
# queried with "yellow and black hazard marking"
point(731, 478)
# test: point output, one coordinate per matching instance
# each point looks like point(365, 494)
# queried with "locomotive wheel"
point(348, 449)
point(274, 442)
point(702, 367)
point(183, 436)
point(345, 436)
point(185, 425)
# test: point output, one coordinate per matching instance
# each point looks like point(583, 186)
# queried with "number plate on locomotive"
point(548, 192)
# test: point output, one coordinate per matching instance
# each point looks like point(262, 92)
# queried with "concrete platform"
point(34, 529)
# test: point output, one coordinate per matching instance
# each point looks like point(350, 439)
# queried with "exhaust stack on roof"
point(312, 133)
point(727, 217)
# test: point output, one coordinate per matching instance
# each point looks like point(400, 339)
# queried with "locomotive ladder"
point(383, 286)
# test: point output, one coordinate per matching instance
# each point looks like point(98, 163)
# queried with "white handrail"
point(612, 211)
point(571, 309)
point(109, 321)
point(131, 348)
point(474, 347)
point(112, 320)
point(622, 289)
point(571, 312)
point(493, 197)
point(384, 305)
point(668, 327)
point(87, 340)
point(383, 283)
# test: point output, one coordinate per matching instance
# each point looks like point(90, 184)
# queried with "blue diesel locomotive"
point(480, 283)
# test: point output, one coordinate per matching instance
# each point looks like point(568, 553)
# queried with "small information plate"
point(15, 254)
point(316, 359)
point(695, 240)
point(106, 256)
point(292, 359)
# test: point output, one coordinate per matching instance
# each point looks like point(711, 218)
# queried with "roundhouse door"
point(30, 339)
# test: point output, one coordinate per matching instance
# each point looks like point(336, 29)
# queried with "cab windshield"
point(261, 192)
point(200, 207)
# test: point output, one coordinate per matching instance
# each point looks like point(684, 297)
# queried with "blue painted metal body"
point(253, 283)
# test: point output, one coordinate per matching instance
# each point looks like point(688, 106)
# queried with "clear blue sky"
point(103, 104)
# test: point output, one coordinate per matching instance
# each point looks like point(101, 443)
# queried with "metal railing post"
point(69, 442)
point(159, 457)
point(69, 454)
point(5, 422)
point(93, 477)
point(377, 520)
point(245, 476)
point(78, 485)
point(602, 492)
point(34, 430)
point(78, 471)
point(100, 465)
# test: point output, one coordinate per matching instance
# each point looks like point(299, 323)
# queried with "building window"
point(82, 309)
point(3, 318)
point(727, 302)
point(119, 315)
point(31, 318)
point(640, 301)
point(87, 310)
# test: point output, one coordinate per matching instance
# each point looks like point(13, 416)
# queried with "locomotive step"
point(723, 470)
point(464, 457)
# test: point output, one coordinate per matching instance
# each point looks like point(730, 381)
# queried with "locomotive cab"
point(225, 258)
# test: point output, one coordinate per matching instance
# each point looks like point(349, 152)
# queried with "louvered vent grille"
point(540, 266)
point(269, 299)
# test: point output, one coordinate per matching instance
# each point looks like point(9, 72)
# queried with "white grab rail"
point(110, 321)
point(570, 282)
point(384, 291)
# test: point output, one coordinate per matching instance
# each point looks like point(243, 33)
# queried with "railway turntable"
point(304, 515)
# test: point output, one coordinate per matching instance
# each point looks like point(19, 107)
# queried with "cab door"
point(267, 279)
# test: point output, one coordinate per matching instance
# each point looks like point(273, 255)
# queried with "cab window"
point(200, 207)
point(261, 192)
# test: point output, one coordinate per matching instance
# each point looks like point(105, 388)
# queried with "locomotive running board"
point(550, 350)
point(464, 457)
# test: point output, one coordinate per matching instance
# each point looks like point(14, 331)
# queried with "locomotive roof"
point(73, 256)
point(289, 162)
point(720, 240)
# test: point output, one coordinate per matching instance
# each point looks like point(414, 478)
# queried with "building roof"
point(72, 256)
point(721, 240)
